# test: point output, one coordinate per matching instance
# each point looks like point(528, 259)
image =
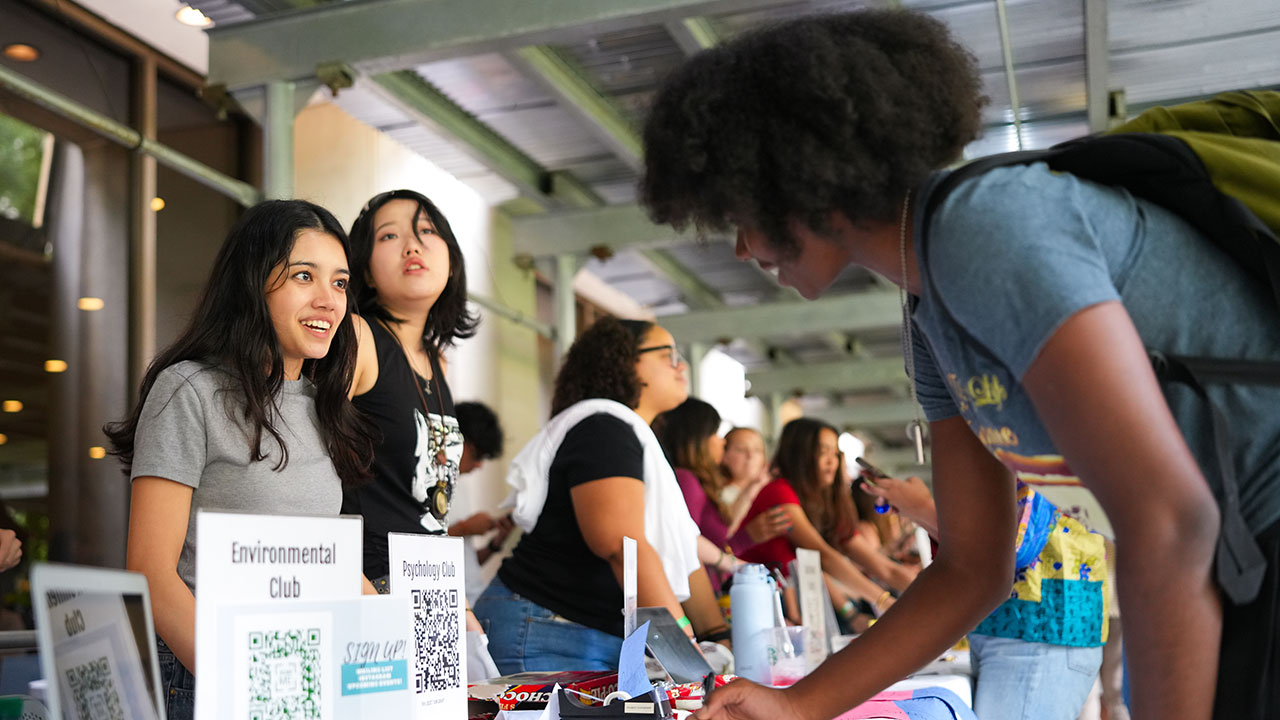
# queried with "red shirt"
point(778, 552)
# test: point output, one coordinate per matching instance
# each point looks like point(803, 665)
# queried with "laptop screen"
point(97, 646)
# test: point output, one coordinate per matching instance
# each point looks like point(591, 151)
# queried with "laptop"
point(97, 643)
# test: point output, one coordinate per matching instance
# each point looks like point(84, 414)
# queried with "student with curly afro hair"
point(594, 475)
point(1034, 295)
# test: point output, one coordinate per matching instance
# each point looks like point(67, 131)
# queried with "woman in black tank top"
point(410, 285)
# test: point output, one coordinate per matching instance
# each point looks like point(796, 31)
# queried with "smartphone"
point(872, 469)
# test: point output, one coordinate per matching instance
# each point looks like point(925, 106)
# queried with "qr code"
point(93, 690)
point(284, 675)
point(438, 662)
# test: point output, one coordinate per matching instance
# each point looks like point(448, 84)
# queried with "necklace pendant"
point(916, 432)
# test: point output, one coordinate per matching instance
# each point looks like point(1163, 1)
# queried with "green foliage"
point(21, 155)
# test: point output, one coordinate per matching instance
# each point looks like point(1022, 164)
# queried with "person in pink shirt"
point(717, 501)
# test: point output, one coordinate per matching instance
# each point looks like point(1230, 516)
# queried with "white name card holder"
point(246, 558)
point(813, 602)
point(429, 571)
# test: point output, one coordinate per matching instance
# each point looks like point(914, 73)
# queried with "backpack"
point(1216, 164)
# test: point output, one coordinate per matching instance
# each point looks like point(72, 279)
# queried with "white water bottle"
point(751, 601)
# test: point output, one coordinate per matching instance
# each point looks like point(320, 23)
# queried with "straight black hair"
point(232, 330)
point(449, 318)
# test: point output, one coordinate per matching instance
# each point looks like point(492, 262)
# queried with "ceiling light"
point(188, 15)
point(21, 52)
point(55, 366)
point(157, 204)
point(97, 452)
point(3, 438)
point(89, 303)
point(12, 406)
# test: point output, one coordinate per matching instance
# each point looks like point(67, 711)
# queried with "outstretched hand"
point(10, 549)
point(911, 497)
point(768, 525)
point(745, 700)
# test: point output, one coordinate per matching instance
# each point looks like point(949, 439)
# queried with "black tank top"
point(407, 476)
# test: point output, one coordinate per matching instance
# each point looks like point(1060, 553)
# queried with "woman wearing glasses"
point(595, 475)
point(410, 285)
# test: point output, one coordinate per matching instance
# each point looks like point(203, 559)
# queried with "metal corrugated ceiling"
point(1159, 50)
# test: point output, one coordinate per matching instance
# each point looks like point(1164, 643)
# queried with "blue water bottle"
point(751, 600)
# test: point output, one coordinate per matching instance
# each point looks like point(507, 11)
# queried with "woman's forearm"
point(652, 588)
point(708, 553)
point(849, 575)
point(1171, 642)
point(944, 603)
point(701, 607)
point(175, 614)
point(738, 510)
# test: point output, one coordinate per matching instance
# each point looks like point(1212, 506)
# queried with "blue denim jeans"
point(177, 684)
point(1022, 680)
point(524, 636)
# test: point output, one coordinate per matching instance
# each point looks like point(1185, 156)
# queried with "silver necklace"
point(915, 428)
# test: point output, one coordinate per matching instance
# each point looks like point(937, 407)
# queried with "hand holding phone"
point(872, 471)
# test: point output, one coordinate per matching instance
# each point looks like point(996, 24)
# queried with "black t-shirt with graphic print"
point(405, 467)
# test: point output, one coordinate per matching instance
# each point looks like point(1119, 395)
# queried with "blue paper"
point(632, 678)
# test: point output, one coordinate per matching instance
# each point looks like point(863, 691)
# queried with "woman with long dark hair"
point(247, 410)
point(812, 462)
point(594, 475)
point(410, 284)
point(690, 437)
point(805, 467)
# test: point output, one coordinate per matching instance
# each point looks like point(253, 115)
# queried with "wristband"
point(684, 622)
point(716, 635)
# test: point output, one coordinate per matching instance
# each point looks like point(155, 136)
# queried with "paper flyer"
point(428, 570)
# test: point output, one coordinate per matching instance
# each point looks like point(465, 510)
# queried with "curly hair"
point(479, 426)
point(837, 112)
point(601, 363)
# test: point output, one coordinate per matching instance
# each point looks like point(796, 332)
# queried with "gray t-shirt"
point(1016, 252)
point(191, 431)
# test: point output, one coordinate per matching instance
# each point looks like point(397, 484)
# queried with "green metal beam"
point(859, 312)
point(820, 377)
point(611, 228)
point(1097, 64)
point(425, 103)
point(694, 292)
point(570, 85)
point(565, 80)
point(871, 415)
point(378, 36)
point(694, 34)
